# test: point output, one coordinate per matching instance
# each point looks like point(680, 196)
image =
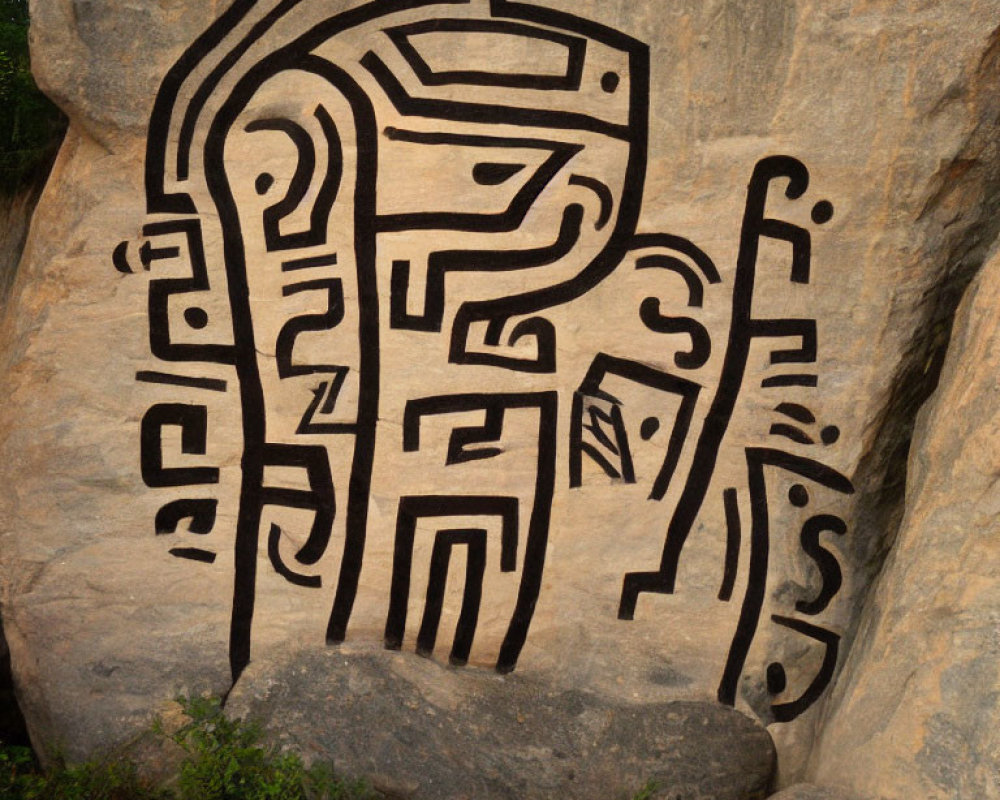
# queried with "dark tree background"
point(31, 127)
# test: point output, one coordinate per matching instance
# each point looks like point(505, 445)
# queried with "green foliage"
point(31, 127)
point(226, 760)
point(647, 792)
point(97, 780)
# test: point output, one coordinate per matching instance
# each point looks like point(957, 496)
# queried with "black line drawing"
point(743, 328)
point(200, 512)
point(760, 534)
point(550, 146)
point(193, 422)
point(786, 712)
point(495, 407)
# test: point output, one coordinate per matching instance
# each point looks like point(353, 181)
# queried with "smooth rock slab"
point(426, 731)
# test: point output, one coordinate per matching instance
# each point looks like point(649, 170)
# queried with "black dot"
point(777, 681)
point(822, 212)
point(798, 496)
point(610, 81)
point(830, 435)
point(264, 182)
point(650, 426)
point(196, 318)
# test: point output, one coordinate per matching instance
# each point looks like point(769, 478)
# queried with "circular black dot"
point(264, 182)
point(196, 318)
point(822, 212)
point(777, 681)
point(798, 496)
point(650, 426)
point(830, 435)
point(610, 81)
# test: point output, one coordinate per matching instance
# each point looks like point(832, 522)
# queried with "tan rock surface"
point(886, 106)
point(917, 712)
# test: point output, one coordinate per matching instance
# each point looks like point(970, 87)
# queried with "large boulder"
point(473, 352)
point(916, 712)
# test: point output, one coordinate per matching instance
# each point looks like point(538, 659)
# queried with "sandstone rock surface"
point(916, 714)
point(574, 341)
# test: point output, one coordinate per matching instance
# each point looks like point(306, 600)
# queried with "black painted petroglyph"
point(502, 136)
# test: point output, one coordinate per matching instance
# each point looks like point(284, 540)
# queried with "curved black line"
point(696, 290)
point(826, 562)
point(157, 201)
point(791, 432)
point(668, 241)
point(786, 712)
point(753, 598)
point(806, 467)
point(303, 44)
point(248, 373)
point(319, 219)
point(305, 168)
point(214, 78)
point(274, 554)
point(797, 412)
point(561, 19)
point(120, 259)
point(701, 342)
point(603, 194)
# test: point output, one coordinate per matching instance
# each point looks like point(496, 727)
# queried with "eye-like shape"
point(493, 174)
point(305, 177)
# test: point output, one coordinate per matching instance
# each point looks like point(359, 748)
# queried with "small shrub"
point(20, 779)
point(31, 127)
point(227, 760)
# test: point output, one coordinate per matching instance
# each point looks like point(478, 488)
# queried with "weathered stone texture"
point(449, 736)
point(916, 712)
point(785, 489)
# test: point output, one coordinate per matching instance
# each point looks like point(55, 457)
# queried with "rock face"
point(474, 352)
point(916, 713)
point(457, 735)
